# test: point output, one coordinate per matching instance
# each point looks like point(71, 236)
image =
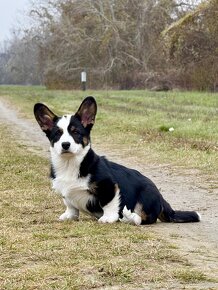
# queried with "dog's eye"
point(74, 131)
point(59, 132)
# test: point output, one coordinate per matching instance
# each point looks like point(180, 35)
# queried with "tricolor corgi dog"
point(90, 183)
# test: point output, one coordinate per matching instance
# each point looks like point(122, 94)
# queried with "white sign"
point(83, 77)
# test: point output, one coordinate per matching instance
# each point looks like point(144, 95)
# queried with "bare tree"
point(192, 46)
point(121, 43)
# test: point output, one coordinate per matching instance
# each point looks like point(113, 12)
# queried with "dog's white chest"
point(71, 187)
point(74, 190)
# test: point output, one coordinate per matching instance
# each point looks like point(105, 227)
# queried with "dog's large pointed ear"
point(44, 116)
point(87, 112)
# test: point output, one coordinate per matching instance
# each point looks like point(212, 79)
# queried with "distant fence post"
point(83, 80)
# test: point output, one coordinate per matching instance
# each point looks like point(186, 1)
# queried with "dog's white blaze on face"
point(74, 148)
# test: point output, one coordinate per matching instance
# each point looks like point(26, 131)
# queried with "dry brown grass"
point(39, 252)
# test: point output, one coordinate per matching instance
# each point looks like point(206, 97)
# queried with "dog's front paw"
point(67, 215)
point(109, 219)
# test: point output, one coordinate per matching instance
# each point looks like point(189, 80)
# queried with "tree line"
point(122, 44)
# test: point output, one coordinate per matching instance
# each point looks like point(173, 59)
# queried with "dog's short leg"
point(111, 209)
point(71, 213)
point(131, 217)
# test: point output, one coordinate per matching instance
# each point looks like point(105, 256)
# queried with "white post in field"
point(83, 80)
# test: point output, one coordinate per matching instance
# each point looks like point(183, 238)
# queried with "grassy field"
point(38, 252)
point(139, 121)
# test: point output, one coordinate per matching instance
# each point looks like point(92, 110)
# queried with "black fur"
point(106, 177)
point(134, 188)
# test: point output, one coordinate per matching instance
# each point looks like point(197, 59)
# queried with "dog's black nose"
point(65, 145)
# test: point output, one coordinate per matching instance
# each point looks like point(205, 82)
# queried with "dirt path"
point(184, 189)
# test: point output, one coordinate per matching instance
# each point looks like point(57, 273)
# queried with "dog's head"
point(69, 134)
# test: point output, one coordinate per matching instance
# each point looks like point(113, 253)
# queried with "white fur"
point(75, 148)
point(199, 216)
point(71, 213)
point(74, 189)
point(66, 166)
point(131, 217)
point(111, 210)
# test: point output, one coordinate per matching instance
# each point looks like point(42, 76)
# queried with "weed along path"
point(183, 189)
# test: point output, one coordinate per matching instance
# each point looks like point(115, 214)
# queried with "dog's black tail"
point(176, 216)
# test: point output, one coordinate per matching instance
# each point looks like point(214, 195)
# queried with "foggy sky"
point(10, 14)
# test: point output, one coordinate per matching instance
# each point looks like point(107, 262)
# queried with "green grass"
point(137, 122)
point(39, 252)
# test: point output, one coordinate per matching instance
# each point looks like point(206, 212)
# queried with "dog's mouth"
point(66, 152)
